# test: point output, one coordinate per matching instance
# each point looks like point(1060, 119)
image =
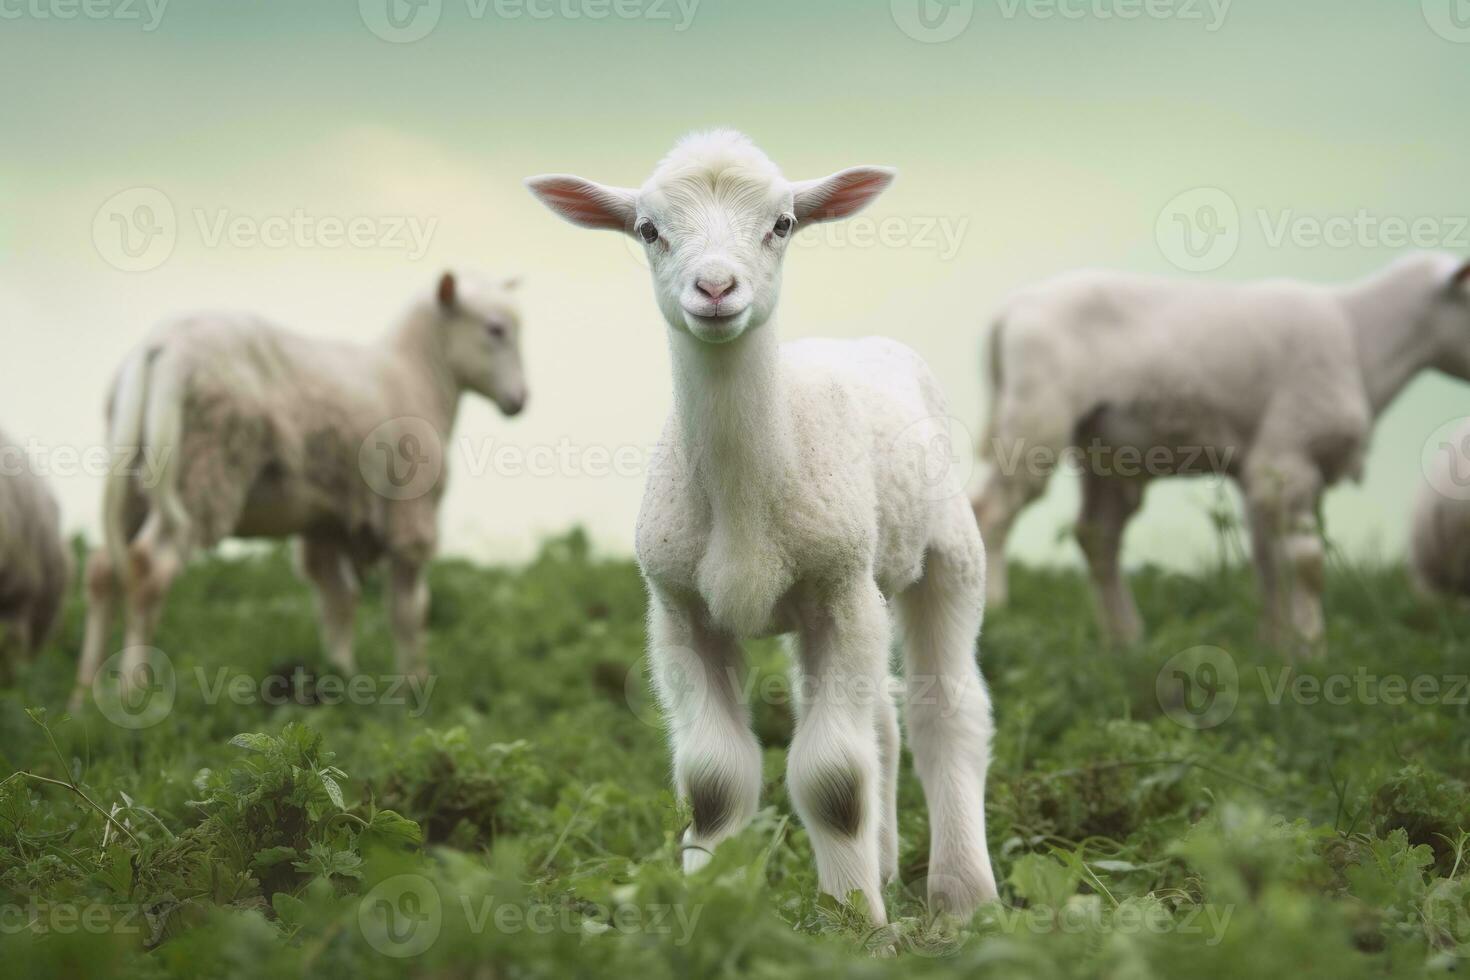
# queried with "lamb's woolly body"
point(256, 431)
point(1276, 384)
point(834, 487)
point(34, 562)
point(1439, 544)
point(800, 490)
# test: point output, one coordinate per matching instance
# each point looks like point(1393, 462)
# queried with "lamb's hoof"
point(696, 858)
point(959, 895)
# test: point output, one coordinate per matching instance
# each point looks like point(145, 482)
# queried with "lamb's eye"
point(647, 231)
point(784, 224)
point(495, 330)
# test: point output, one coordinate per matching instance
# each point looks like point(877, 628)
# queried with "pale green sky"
point(1045, 135)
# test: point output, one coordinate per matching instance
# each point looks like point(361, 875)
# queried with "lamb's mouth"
point(717, 329)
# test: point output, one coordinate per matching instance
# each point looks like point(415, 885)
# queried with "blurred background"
point(321, 163)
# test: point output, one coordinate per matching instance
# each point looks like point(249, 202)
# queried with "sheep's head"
point(716, 218)
point(481, 333)
point(1449, 314)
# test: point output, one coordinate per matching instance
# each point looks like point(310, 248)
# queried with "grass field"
point(1191, 807)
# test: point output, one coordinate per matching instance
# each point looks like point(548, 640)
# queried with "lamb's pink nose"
point(715, 289)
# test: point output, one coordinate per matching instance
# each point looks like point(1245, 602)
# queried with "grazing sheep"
point(35, 566)
point(1274, 384)
point(1439, 548)
point(261, 433)
point(794, 495)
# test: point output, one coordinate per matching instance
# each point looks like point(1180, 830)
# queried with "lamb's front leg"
point(408, 610)
point(835, 768)
point(717, 760)
point(1284, 495)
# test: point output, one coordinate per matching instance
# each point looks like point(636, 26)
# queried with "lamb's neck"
point(1389, 313)
point(416, 344)
point(733, 421)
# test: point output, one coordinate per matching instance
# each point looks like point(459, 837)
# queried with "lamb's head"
point(1449, 317)
point(716, 218)
point(480, 328)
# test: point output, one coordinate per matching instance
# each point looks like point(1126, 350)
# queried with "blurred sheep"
point(1274, 384)
point(1439, 546)
point(237, 428)
point(35, 566)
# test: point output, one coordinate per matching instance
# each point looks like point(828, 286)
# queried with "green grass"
point(518, 822)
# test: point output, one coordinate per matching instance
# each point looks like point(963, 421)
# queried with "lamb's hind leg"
point(155, 559)
point(949, 721)
point(717, 760)
point(103, 594)
point(834, 769)
point(1107, 505)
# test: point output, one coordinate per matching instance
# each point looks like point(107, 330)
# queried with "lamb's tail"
point(144, 431)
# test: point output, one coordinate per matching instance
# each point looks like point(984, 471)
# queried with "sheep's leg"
point(717, 760)
point(155, 559)
point(1020, 470)
point(889, 752)
point(834, 768)
point(408, 610)
point(103, 595)
point(1107, 505)
point(1284, 496)
point(325, 564)
point(949, 726)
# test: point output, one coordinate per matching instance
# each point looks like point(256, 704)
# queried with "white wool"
point(797, 493)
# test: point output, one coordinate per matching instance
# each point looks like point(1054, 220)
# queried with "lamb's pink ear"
point(841, 195)
point(448, 294)
point(585, 202)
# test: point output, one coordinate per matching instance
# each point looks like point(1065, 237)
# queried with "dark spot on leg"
point(837, 799)
point(709, 795)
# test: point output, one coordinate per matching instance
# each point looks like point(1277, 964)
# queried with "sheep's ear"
point(448, 293)
point(841, 195)
point(585, 202)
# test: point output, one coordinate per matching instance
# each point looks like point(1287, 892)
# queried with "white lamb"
point(1439, 547)
point(264, 433)
point(1276, 384)
point(35, 565)
point(793, 497)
